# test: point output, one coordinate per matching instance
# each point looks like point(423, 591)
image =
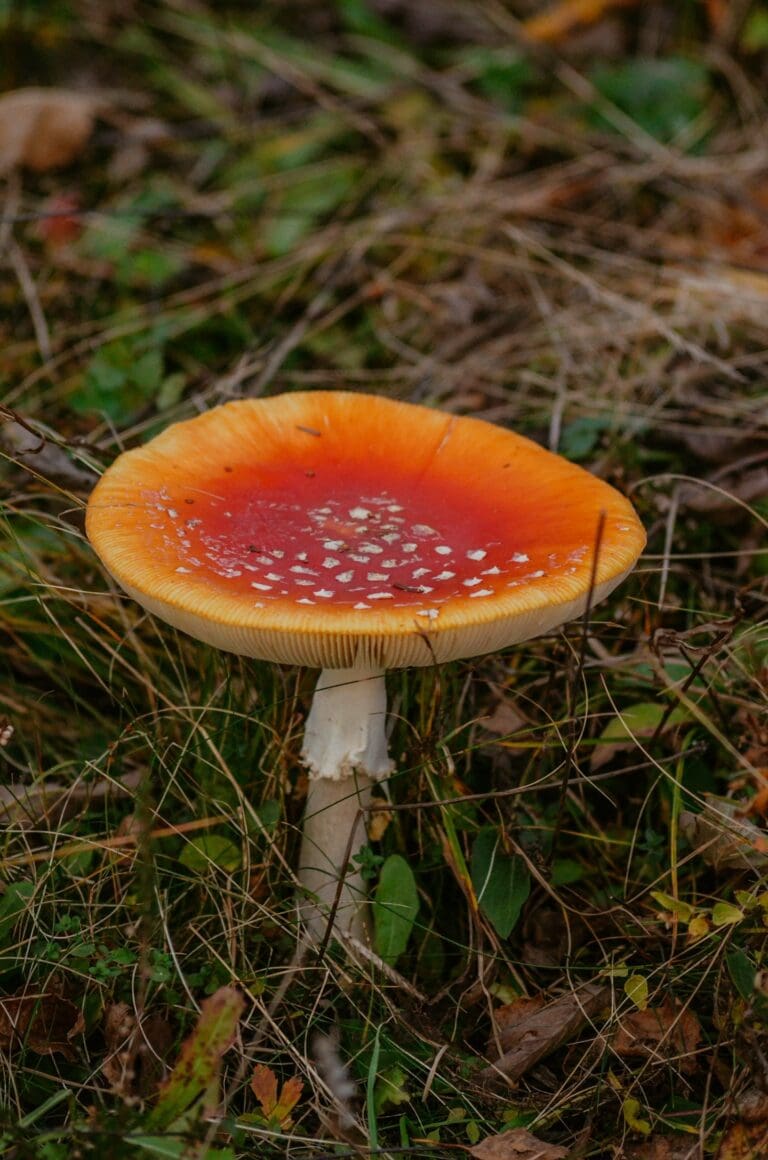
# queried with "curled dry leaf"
point(662, 1033)
point(517, 1144)
point(43, 1021)
point(44, 129)
point(532, 1028)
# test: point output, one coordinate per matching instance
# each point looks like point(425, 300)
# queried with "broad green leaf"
point(501, 881)
point(640, 720)
point(663, 95)
point(395, 906)
point(726, 914)
point(565, 871)
point(205, 849)
point(580, 437)
point(681, 910)
point(12, 906)
point(742, 972)
point(636, 989)
point(192, 1089)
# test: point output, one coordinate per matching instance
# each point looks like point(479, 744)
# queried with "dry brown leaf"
point(534, 1029)
point(517, 1144)
point(512, 1016)
point(44, 128)
point(663, 1148)
point(264, 1087)
point(744, 1142)
point(728, 843)
point(43, 1021)
point(661, 1032)
point(276, 1109)
point(729, 491)
point(135, 1063)
point(566, 16)
point(504, 719)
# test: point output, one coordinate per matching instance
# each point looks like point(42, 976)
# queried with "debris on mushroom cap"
point(334, 529)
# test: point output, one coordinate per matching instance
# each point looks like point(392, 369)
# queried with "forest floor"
point(557, 224)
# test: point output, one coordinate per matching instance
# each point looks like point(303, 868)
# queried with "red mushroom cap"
point(341, 530)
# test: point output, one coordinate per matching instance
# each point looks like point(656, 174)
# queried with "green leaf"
point(205, 849)
point(12, 905)
point(726, 914)
point(742, 972)
point(579, 438)
point(681, 910)
point(395, 906)
point(502, 74)
point(269, 814)
point(390, 1088)
point(631, 1109)
point(663, 95)
point(192, 1089)
point(565, 871)
point(754, 36)
point(501, 881)
point(636, 989)
point(641, 720)
point(121, 378)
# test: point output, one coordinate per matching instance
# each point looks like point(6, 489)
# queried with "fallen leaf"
point(662, 1033)
point(45, 1022)
point(136, 1054)
point(663, 1148)
point(727, 491)
point(561, 19)
point(192, 1088)
point(276, 1109)
point(517, 1144)
point(504, 719)
point(744, 1142)
point(44, 128)
point(729, 842)
point(532, 1029)
point(60, 220)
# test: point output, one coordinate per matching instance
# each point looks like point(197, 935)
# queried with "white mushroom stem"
point(345, 750)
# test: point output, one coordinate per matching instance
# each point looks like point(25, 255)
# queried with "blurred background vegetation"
point(550, 215)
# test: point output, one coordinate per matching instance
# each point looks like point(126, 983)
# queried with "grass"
point(568, 239)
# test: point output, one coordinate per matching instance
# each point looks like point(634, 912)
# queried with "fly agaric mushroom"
point(354, 534)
